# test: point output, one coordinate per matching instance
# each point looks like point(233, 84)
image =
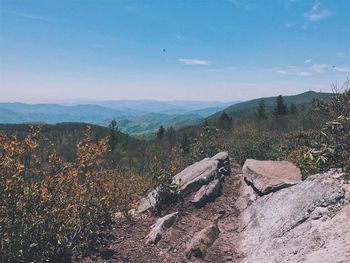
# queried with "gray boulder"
point(158, 228)
point(308, 222)
point(207, 193)
point(191, 179)
point(270, 176)
point(202, 241)
point(149, 201)
point(202, 172)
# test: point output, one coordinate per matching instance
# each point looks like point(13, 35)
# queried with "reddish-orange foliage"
point(50, 208)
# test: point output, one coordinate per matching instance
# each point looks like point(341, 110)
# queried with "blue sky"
point(214, 49)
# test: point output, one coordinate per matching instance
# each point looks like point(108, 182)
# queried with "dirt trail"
point(129, 244)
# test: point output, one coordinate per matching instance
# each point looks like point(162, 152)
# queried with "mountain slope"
point(150, 123)
point(248, 108)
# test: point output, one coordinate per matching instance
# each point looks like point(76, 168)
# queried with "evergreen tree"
point(225, 121)
point(281, 107)
point(185, 144)
point(261, 114)
point(160, 133)
point(113, 137)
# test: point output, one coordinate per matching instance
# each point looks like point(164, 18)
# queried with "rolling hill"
point(247, 109)
point(133, 116)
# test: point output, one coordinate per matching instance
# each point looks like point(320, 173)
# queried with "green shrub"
point(329, 146)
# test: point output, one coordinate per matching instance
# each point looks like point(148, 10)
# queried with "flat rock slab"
point(202, 241)
point(270, 176)
point(207, 193)
point(202, 172)
point(307, 222)
point(158, 228)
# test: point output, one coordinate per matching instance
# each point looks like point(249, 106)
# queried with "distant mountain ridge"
point(142, 116)
point(133, 116)
point(154, 106)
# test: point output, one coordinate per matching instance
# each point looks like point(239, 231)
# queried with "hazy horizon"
point(222, 50)
point(75, 101)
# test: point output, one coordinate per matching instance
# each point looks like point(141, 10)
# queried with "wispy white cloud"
point(290, 67)
point(235, 2)
point(317, 13)
point(282, 72)
point(304, 73)
point(188, 61)
point(294, 71)
point(319, 68)
point(222, 69)
point(26, 15)
point(342, 69)
point(307, 70)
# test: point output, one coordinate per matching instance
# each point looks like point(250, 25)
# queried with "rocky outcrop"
point(148, 201)
point(191, 179)
point(158, 228)
point(270, 176)
point(308, 222)
point(202, 172)
point(207, 193)
point(279, 218)
point(202, 241)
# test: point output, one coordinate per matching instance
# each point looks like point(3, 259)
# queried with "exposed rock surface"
point(308, 222)
point(246, 196)
point(207, 193)
point(148, 201)
point(305, 222)
point(202, 241)
point(192, 178)
point(270, 176)
point(157, 229)
point(202, 172)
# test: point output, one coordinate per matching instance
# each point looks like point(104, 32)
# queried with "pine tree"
point(261, 114)
point(160, 132)
point(225, 121)
point(113, 138)
point(280, 108)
